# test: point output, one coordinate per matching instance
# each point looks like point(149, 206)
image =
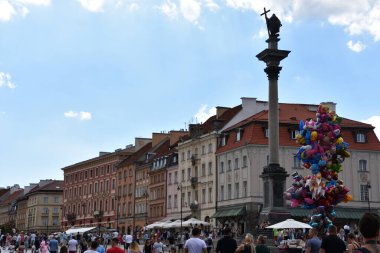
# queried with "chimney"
point(253, 106)
point(141, 142)
point(220, 110)
point(158, 137)
point(175, 135)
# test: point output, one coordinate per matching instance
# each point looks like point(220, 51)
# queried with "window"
point(183, 198)
point(294, 133)
point(203, 196)
point(170, 178)
point(203, 150)
point(360, 137)
point(210, 147)
point(175, 177)
point(221, 167)
point(296, 163)
point(183, 175)
point(236, 190)
point(188, 198)
point(96, 171)
point(266, 133)
point(267, 159)
point(45, 210)
point(245, 189)
point(229, 167)
point(209, 195)
point(362, 165)
point(364, 193)
point(222, 192)
point(196, 153)
point(108, 169)
point(85, 190)
point(210, 168)
point(46, 200)
point(203, 170)
point(239, 134)
point(170, 202)
point(90, 189)
point(229, 191)
point(96, 187)
point(113, 184)
point(55, 221)
point(183, 156)
point(236, 163)
point(175, 201)
point(244, 161)
point(188, 154)
point(188, 174)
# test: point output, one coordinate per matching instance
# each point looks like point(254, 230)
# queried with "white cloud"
point(93, 5)
point(169, 9)
point(191, 10)
point(356, 47)
point(78, 115)
point(355, 16)
point(374, 121)
point(35, 2)
point(211, 5)
point(6, 11)
point(10, 8)
point(133, 7)
point(263, 33)
point(6, 81)
point(203, 113)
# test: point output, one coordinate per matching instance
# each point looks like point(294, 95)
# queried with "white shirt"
point(195, 245)
point(158, 247)
point(128, 239)
point(73, 245)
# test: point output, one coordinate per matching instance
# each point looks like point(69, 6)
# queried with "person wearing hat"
point(115, 246)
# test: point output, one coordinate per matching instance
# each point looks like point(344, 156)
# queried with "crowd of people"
point(197, 240)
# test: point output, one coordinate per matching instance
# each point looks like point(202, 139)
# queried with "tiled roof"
point(53, 186)
point(223, 119)
point(289, 117)
point(12, 197)
point(134, 157)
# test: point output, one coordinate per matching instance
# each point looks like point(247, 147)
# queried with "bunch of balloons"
point(323, 151)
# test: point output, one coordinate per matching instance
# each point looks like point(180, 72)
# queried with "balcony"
point(194, 181)
point(194, 207)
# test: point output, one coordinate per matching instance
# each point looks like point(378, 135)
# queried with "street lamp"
point(179, 188)
point(117, 214)
point(84, 214)
point(47, 222)
point(368, 187)
point(146, 195)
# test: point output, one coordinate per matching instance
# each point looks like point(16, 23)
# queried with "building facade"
point(243, 152)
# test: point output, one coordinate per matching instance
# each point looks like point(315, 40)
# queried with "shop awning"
point(79, 230)
point(231, 212)
point(341, 213)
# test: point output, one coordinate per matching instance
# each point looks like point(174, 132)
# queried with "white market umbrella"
point(194, 222)
point(289, 223)
point(174, 224)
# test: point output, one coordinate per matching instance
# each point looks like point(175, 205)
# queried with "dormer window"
point(239, 134)
point(224, 139)
point(360, 137)
point(294, 133)
point(266, 133)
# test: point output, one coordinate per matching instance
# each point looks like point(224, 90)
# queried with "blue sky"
point(82, 76)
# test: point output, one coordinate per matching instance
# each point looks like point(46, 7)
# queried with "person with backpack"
point(209, 243)
point(369, 228)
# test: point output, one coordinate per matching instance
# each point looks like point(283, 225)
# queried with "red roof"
point(54, 185)
point(134, 157)
point(289, 117)
point(12, 197)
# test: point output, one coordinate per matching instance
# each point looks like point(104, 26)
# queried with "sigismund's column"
point(274, 176)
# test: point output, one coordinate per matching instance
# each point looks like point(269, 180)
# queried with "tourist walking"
point(353, 244)
point(115, 247)
point(158, 246)
point(134, 248)
point(53, 245)
point(93, 247)
point(226, 244)
point(148, 246)
point(313, 245)
point(195, 244)
point(332, 243)
point(247, 246)
point(261, 247)
point(369, 228)
point(73, 245)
